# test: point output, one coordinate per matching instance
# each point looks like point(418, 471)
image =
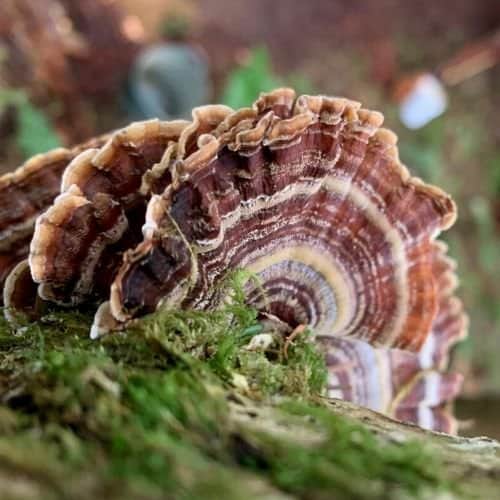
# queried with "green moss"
point(350, 451)
point(177, 407)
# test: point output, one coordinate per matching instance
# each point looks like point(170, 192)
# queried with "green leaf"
point(245, 83)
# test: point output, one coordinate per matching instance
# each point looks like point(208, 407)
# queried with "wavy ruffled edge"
point(246, 129)
point(275, 119)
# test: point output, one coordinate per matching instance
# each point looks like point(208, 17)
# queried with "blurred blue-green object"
point(167, 81)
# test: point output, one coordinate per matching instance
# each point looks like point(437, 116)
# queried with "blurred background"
point(71, 69)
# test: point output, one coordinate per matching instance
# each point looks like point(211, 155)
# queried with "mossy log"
point(180, 408)
point(468, 467)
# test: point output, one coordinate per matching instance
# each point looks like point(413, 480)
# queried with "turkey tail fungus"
point(307, 193)
point(25, 194)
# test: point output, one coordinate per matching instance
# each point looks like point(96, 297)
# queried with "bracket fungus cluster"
point(306, 192)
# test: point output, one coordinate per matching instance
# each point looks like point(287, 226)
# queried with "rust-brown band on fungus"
point(391, 381)
point(99, 196)
point(309, 194)
point(317, 204)
point(78, 242)
point(408, 386)
point(25, 194)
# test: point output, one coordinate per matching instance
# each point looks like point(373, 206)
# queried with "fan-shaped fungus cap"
point(310, 195)
point(391, 381)
point(25, 194)
point(100, 203)
point(79, 241)
point(405, 385)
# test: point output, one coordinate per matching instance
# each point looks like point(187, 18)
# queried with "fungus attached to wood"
point(307, 193)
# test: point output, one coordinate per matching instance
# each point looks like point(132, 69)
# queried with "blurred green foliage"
point(423, 150)
point(245, 83)
point(494, 167)
point(35, 134)
point(488, 242)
